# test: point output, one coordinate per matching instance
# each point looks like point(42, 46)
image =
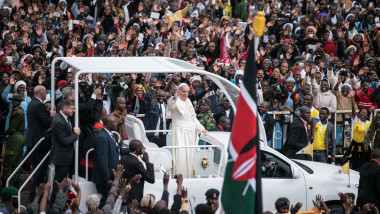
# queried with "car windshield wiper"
point(304, 167)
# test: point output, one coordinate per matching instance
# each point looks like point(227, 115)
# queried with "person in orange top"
point(62, 10)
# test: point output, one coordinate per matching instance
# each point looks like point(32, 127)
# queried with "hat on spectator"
point(167, 77)
point(371, 58)
point(195, 78)
point(36, 47)
point(290, 24)
point(290, 79)
point(205, 101)
point(60, 83)
point(145, 200)
point(351, 14)
point(323, 14)
point(5, 32)
point(348, 85)
point(85, 37)
point(9, 191)
point(214, 193)
point(239, 72)
point(351, 46)
point(313, 28)
point(26, 56)
point(297, 29)
point(98, 125)
point(282, 202)
point(135, 24)
point(18, 83)
point(93, 201)
point(17, 97)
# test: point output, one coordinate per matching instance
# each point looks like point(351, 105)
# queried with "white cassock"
point(185, 130)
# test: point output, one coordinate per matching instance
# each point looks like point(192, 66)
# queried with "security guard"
point(6, 199)
point(212, 198)
point(15, 142)
point(205, 116)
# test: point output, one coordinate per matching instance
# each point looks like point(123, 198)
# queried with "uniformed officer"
point(6, 199)
point(205, 116)
point(212, 198)
point(15, 141)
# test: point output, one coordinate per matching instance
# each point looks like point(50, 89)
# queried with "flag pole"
point(349, 177)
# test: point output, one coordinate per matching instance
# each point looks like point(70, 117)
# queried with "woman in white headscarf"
point(19, 88)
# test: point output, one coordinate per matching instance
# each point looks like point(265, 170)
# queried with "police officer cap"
point(17, 97)
point(282, 202)
point(9, 191)
point(206, 101)
point(212, 193)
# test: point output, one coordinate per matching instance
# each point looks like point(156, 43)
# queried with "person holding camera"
point(110, 90)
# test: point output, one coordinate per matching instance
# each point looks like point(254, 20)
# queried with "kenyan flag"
point(242, 182)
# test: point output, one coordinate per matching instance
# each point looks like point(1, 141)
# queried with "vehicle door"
point(281, 180)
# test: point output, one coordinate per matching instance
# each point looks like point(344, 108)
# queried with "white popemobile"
point(299, 181)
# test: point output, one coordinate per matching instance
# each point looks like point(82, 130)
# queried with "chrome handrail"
point(87, 153)
point(192, 147)
point(25, 159)
point(27, 180)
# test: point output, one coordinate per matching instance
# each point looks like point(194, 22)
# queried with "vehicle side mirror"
point(296, 172)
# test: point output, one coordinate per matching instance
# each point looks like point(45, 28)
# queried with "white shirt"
point(163, 111)
point(110, 133)
point(66, 118)
point(306, 128)
point(107, 103)
point(321, 124)
point(228, 112)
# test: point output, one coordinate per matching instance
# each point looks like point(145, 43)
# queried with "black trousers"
point(160, 140)
point(40, 176)
point(102, 190)
point(358, 159)
point(61, 172)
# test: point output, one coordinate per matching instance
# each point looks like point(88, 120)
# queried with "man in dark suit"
point(299, 135)
point(155, 117)
point(63, 138)
point(106, 157)
point(369, 183)
point(267, 119)
point(224, 125)
point(226, 111)
point(39, 121)
point(133, 167)
point(90, 109)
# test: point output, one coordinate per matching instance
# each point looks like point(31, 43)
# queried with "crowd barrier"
point(284, 118)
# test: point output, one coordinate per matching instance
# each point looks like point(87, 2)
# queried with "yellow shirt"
point(319, 142)
point(359, 130)
point(314, 113)
point(178, 16)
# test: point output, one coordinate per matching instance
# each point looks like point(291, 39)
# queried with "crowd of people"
point(316, 57)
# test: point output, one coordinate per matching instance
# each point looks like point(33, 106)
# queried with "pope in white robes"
point(185, 130)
